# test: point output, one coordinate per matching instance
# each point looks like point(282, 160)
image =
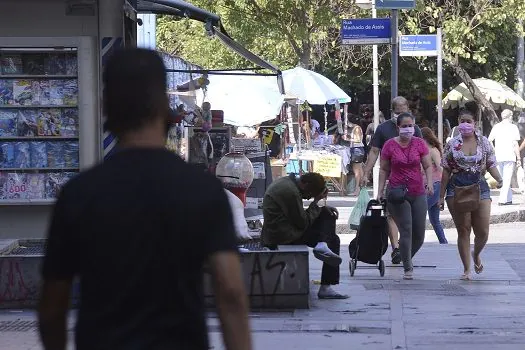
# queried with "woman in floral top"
point(466, 159)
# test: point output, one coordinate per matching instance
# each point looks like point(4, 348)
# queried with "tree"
point(286, 32)
point(473, 35)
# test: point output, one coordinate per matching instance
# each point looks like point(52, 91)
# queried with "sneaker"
point(326, 292)
point(396, 256)
point(328, 257)
point(408, 275)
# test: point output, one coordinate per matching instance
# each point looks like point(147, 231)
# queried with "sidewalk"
point(435, 311)
point(499, 214)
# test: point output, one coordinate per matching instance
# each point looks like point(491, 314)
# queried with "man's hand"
point(333, 211)
point(500, 184)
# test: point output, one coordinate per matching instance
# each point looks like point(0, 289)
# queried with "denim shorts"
point(466, 179)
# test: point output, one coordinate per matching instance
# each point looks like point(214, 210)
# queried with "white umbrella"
point(313, 87)
point(500, 95)
point(245, 99)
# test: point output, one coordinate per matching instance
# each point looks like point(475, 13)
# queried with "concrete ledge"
point(274, 279)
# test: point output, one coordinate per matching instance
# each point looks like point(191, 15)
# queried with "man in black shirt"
point(137, 230)
point(384, 132)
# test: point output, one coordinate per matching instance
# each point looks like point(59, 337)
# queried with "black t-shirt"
point(388, 130)
point(137, 230)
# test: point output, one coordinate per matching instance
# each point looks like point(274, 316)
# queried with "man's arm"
point(57, 272)
point(516, 147)
point(296, 214)
point(221, 252)
point(522, 147)
point(52, 313)
point(231, 299)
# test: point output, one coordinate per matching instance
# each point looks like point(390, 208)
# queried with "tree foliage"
point(479, 38)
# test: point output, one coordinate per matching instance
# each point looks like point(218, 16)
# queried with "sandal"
point(477, 268)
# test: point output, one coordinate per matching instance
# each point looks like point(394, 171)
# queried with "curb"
point(446, 221)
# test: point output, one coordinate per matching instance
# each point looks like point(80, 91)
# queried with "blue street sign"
point(365, 31)
point(395, 4)
point(418, 45)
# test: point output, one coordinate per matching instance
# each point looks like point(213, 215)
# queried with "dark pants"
point(323, 230)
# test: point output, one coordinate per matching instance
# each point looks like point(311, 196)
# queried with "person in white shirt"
point(506, 136)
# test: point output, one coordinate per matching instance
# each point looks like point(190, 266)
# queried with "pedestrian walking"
point(382, 134)
point(401, 161)
point(466, 159)
point(505, 136)
point(434, 209)
point(132, 231)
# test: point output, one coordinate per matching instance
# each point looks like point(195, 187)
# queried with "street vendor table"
point(331, 164)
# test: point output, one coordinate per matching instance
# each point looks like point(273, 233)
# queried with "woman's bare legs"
point(463, 226)
point(480, 226)
point(358, 174)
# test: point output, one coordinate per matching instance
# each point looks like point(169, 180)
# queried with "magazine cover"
point(11, 64)
point(69, 123)
point(22, 93)
point(6, 92)
point(8, 123)
point(17, 186)
point(70, 92)
point(27, 122)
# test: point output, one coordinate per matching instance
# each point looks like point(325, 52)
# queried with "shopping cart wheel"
point(381, 268)
point(352, 267)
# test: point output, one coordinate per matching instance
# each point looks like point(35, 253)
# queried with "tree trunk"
point(520, 57)
point(486, 106)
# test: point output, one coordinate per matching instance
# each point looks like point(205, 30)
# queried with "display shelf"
point(14, 202)
point(36, 106)
point(39, 123)
point(38, 138)
point(25, 170)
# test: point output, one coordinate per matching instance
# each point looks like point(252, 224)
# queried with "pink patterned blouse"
point(456, 161)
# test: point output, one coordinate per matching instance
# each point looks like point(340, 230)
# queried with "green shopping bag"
point(359, 209)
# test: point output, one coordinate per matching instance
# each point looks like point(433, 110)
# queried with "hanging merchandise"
point(325, 122)
point(338, 118)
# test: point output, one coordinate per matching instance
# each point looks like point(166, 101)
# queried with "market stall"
point(313, 146)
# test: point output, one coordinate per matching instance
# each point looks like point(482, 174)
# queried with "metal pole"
point(375, 72)
point(299, 138)
point(440, 85)
point(395, 54)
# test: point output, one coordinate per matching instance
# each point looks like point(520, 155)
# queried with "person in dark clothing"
point(132, 230)
point(287, 222)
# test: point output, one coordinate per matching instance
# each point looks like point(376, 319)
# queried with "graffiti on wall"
point(12, 284)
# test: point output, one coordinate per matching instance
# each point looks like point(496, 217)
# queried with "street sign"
point(418, 45)
point(365, 31)
point(395, 4)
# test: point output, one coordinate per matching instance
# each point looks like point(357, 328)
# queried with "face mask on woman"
point(406, 132)
point(466, 129)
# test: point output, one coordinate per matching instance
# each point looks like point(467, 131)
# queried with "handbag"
point(467, 198)
point(397, 195)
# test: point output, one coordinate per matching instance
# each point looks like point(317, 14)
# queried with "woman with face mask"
point(401, 160)
point(466, 158)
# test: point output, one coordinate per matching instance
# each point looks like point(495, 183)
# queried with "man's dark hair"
point(135, 87)
point(315, 182)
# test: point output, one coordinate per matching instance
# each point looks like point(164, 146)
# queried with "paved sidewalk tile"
point(435, 311)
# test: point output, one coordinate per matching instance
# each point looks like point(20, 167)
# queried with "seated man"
point(287, 222)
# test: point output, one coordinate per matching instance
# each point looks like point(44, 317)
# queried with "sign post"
point(427, 45)
point(395, 6)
